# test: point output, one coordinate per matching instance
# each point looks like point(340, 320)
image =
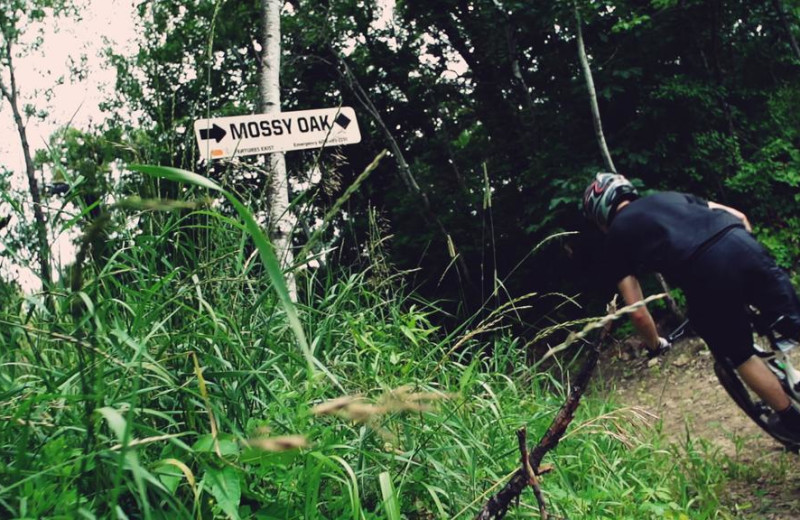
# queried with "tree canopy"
point(171, 372)
point(486, 104)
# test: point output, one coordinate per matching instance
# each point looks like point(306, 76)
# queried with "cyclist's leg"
point(773, 294)
point(732, 343)
point(785, 422)
point(732, 273)
point(723, 323)
point(764, 383)
point(767, 287)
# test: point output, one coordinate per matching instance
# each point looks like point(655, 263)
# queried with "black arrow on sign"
point(215, 133)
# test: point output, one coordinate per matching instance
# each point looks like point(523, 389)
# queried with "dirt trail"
point(682, 390)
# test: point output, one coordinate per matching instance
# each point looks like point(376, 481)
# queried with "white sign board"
point(276, 132)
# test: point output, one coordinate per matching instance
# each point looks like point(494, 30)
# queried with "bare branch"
point(11, 94)
point(403, 167)
point(587, 74)
point(498, 505)
point(533, 480)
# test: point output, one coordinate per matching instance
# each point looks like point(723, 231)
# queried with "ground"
point(683, 392)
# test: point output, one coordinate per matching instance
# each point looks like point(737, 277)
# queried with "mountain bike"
point(774, 350)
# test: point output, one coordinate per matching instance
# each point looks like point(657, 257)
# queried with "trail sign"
point(276, 132)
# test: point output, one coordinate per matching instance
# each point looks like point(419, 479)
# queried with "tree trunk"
point(587, 74)
point(601, 141)
point(511, 42)
point(11, 94)
point(403, 167)
point(280, 217)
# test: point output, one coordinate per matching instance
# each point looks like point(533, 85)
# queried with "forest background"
point(141, 369)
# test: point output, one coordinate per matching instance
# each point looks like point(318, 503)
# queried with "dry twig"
point(498, 505)
point(533, 481)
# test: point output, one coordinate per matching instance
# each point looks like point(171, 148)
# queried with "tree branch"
point(511, 43)
point(587, 74)
point(532, 478)
point(498, 505)
point(11, 94)
point(405, 171)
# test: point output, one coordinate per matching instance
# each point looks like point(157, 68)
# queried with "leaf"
point(183, 468)
point(434, 492)
point(115, 421)
point(77, 218)
point(177, 175)
point(390, 503)
point(205, 444)
point(225, 486)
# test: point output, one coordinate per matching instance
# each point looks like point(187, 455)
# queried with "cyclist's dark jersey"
point(707, 253)
point(662, 233)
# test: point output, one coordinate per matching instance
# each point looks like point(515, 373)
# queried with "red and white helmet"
point(602, 196)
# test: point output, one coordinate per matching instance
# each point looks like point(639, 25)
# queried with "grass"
point(176, 381)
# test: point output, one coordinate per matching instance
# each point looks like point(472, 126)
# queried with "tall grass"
point(169, 384)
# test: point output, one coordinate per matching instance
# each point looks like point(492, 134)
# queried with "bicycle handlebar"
point(679, 331)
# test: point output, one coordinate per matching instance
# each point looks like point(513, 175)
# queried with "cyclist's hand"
point(735, 212)
point(663, 348)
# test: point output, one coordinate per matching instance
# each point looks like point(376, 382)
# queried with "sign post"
point(237, 136)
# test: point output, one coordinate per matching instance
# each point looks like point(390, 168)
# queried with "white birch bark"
point(280, 218)
point(601, 140)
point(587, 74)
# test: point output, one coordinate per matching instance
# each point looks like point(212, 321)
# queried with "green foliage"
point(17, 15)
point(155, 393)
point(627, 25)
point(148, 389)
point(695, 96)
point(782, 243)
point(265, 249)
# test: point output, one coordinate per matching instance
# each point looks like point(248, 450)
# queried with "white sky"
point(111, 20)
point(107, 19)
point(102, 23)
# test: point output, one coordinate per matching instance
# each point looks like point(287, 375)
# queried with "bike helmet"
point(602, 196)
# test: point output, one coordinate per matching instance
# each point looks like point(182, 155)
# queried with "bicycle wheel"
point(756, 409)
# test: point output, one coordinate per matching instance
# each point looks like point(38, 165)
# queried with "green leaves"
point(115, 421)
point(225, 486)
point(428, 464)
point(391, 504)
point(631, 23)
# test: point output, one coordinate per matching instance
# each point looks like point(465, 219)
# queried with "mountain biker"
point(706, 249)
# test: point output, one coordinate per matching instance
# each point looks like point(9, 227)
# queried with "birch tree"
point(587, 74)
point(601, 140)
point(280, 217)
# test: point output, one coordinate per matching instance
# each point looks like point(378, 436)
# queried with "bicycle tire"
point(756, 410)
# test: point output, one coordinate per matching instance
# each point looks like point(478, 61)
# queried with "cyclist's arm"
point(632, 292)
point(735, 212)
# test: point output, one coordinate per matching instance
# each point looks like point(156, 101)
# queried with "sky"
point(102, 23)
point(76, 101)
point(111, 20)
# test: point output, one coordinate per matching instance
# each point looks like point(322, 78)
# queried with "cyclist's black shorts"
point(728, 275)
